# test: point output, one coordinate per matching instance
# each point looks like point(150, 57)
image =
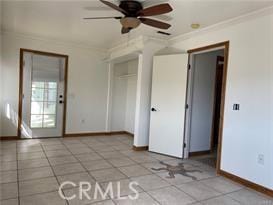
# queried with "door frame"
point(21, 72)
point(225, 46)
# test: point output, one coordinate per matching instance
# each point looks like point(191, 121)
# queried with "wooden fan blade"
point(155, 23)
point(113, 6)
point(163, 17)
point(156, 10)
point(125, 30)
point(114, 17)
point(97, 8)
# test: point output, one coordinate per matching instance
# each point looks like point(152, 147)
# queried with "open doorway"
point(205, 99)
point(218, 83)
point(42, 94)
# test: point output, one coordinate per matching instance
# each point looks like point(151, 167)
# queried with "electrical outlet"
point(261, 159)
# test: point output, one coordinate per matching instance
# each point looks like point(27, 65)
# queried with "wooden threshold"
point(199, 153)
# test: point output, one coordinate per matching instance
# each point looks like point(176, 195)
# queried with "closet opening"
point(123, 102)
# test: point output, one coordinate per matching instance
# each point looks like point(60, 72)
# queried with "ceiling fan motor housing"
point(132, 7)
point(130, 21)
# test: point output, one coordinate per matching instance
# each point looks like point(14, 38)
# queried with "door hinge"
point(185, 145)
point(187, 106)
point(189, 66)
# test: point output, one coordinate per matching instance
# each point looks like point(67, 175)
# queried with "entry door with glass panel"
point(43, 96)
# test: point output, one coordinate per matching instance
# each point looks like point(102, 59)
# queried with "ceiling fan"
point(134, 14)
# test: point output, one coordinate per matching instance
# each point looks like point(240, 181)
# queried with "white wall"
point(87, 84)
point(248, 132)
point(202, 102)
point(143, 97)
point(270, 159)
point(124, 97)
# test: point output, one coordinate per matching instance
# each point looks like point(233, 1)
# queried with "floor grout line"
point(88, 172)
point(107, 160)
point(17, 164)
point(54, 173)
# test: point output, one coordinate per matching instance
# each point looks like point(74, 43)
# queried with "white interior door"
point(43, 96)
point(168, 104)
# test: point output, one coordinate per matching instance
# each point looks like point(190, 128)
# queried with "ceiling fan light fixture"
point(130, 22)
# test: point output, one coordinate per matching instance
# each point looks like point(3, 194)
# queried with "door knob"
point(153, 109)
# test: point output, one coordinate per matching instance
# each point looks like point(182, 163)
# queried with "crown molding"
point(138, 43)
point(223, 24)
point(135, 41)
point(81, 45)
point(148, 39)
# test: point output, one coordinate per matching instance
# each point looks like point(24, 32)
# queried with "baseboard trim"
point(116, 133)
point(121, 133)
point(4, 138)
point(199, 153)
point(90, 134)
point(142, 148)
point(129, 133)
point(246, 183)
point(87, 134)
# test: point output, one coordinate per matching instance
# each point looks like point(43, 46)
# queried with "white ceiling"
point(63, 20)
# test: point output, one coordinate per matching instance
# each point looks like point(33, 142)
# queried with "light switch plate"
point(236, 107)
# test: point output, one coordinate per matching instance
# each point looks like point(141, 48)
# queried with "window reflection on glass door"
point(43, 104)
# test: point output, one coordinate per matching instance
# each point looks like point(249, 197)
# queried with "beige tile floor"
point(32, 170)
